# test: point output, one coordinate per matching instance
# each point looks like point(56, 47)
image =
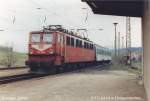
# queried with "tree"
point(9, 57)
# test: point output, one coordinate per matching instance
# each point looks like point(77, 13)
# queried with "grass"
point(20, 57)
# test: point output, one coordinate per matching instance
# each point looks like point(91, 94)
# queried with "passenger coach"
point(102, 54)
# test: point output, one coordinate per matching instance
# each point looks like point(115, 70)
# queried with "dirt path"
point(84, 85)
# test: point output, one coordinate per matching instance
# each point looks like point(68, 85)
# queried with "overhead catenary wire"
point(14, 19)
point(54, 13)
point(49, 12)
point(86, 18)
point(44, 18)
point(39, 6)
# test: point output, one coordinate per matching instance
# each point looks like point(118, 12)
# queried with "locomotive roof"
point(71, 33)
point(86, 39)
point(101, 46)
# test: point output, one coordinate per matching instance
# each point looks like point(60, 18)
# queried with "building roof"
point(132, 8)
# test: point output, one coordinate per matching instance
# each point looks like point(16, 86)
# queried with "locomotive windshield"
point(35, 37)
point(47, 37)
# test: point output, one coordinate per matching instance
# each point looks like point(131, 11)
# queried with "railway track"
point(26, 76)
point(14, 78)
point(11, 68)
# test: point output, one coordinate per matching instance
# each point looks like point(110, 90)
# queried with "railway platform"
point(88, 84)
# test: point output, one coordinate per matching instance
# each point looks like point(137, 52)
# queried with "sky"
point(19, 17)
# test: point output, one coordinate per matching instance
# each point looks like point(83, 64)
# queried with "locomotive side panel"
point(75, 51)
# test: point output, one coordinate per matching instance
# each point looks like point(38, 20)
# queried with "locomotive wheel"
point(60, 69)
point(75, 67)
point(68, 68)
point(52, 70)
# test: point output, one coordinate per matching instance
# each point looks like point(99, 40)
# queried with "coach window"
point(99, 51)
point(72, 41)
point(109, 52)
point(68, 40)
point(103, 51)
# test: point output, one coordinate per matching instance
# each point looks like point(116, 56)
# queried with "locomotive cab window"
point(35, 37)
point(47, 38)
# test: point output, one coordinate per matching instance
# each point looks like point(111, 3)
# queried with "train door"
point(62, 48)
point(58, 49)
point(58, 44)
point(62, 45)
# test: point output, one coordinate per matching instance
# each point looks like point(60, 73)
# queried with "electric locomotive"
point(55, 49)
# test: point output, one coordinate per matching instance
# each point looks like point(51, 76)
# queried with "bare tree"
point(9, 57)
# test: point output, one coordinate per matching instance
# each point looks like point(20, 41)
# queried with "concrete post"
point(146, 46)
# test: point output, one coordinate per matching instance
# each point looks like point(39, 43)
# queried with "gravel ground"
point(91, 84)
point(13, 72)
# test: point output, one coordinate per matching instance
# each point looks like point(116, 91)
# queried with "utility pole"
point(128, 40)
point(122, 45)
point(118, 43)
point(115, 41)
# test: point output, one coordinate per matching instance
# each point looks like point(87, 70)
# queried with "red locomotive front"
point(41, 50)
